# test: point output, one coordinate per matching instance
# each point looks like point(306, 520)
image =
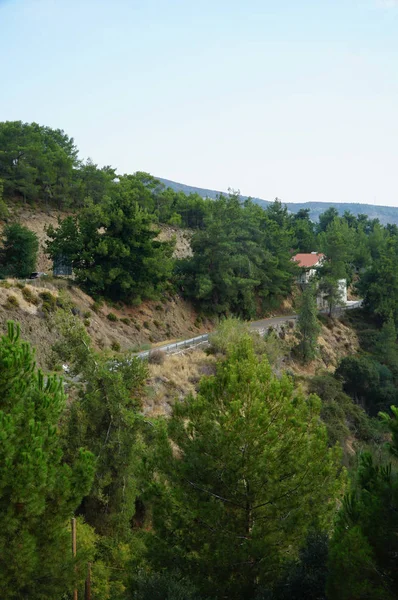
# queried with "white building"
point(309, 263)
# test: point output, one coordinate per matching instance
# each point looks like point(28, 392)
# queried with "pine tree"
point(38, 491)
point(243, 471)
point(19, 253)
point(308, 325)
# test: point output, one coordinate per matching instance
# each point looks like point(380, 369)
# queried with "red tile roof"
point(309, 259)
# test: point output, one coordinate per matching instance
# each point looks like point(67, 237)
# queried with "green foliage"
point(36, 163)
point(38, 490)
point(19, 252)
point(112, 245)
point(368, 382)
point(252, 473)
point(4, 212)
point(339, 413)
point(365, 545)
point(241, 255)
point(163, 586)
point(306, 577)
point(49, 302)
point(308, 326)
point(104, 418)
point(379, 284)
point(115, 346)
point(112, 317)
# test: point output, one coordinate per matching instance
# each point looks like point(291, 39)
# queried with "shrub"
point(156, 357)
point(157, 323)
point(115, 346)
point(158, 307)
point(125, 320)
point(86, 322)
point(49, 302)
point(112, 317)
point(5, 284)
point(11, 302)
point(29, 296)
point(87, 314)
point(147, 325)
point(96, 306)
point(20, 285)
point(137, 326)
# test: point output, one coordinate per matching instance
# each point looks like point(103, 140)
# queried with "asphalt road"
point(174, 347)
point(262, 325)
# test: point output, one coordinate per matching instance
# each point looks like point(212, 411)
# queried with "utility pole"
point(73, 523)
point(87, 594)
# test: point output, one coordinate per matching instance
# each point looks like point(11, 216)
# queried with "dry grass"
point(175, 379)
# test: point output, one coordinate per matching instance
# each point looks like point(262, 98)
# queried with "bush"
point(11, 302)
point(5, 284)
point(156, 357)
point(86, 322)
point(29, 296)
point(115, 346)
point(157, 323)
point(96, 306)
point(125, 320)
point(87, 314)
point(49, 302)
point(112, 317)
point(147, 325)
point(158, 307)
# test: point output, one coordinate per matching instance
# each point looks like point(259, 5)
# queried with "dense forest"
point(246, 490)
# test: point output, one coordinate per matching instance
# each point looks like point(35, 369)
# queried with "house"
point(309, 263)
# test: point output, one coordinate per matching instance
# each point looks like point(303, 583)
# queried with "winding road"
point(261, 326)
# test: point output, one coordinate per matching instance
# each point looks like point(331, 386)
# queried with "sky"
point(295, 99)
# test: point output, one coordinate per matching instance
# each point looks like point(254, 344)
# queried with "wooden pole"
point(87, 595)
point(73, 522)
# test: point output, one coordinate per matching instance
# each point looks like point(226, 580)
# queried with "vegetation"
point(241, 492)
point(19, 252)
point(38, 490)
point(250, 451)
point(308, 325)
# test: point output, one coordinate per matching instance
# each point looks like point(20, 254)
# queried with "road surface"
point(261, 326)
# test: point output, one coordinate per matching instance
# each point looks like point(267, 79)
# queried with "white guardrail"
point(174, 347)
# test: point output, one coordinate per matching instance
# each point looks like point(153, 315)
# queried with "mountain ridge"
point(385, 214)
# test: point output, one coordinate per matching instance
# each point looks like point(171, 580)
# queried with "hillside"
point(385, 214)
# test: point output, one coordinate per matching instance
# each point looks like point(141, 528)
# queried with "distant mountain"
point(385, 214)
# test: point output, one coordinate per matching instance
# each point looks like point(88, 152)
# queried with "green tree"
point(241, 259)
point(386, 350)
point(104, 419)
point(113, 249)
point(36, 162)
point(308, 325)
point(304, 231)
point(19, 253)
point(379, 284)
point(39, 491)
point(4, 212)
point(364, 545)
point(243, 471)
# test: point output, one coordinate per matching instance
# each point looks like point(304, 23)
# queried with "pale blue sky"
point(288, 98)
